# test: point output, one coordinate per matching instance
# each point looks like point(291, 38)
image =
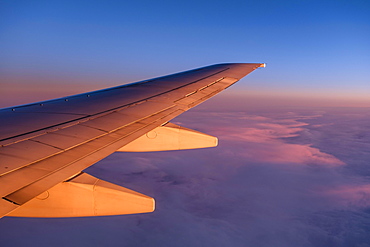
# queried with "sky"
point(292, 165)
point(314, 50)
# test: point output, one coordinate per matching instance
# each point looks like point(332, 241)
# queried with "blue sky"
point(312, 48)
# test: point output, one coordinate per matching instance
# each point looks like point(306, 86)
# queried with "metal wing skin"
point(45, 146)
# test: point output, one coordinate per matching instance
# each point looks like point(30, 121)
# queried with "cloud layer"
point(278, 178)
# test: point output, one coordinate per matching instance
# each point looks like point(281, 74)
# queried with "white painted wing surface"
point(46, 143)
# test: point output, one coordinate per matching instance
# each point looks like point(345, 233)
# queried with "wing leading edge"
point(46, 145)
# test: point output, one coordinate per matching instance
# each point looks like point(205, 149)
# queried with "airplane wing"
point(45, 146)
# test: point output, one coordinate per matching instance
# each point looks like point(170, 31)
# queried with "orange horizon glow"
point(31, 90)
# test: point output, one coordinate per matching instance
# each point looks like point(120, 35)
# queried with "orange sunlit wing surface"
point(46, 145)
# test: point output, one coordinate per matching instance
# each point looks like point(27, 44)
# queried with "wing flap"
point(69, 137)
point(53, 170)
point(27, 152)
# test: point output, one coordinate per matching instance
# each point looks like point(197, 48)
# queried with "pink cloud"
point(264, 140)
point(350, 195)
point(280, 152)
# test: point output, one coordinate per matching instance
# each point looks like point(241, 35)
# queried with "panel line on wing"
point(109, 110)
point(122, 133)
point(144, 106)
point(29, 191)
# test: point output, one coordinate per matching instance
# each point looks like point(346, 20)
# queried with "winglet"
point(262, 65)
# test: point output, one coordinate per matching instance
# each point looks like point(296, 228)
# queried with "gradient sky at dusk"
point(290, 169)
point(313, 49)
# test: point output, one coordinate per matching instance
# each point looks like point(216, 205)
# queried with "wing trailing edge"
point(44, 144)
